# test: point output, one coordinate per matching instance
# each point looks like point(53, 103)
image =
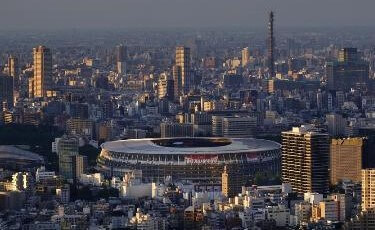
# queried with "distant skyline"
point(97, 14)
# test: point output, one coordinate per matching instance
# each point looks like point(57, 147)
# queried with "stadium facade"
point(199, 160)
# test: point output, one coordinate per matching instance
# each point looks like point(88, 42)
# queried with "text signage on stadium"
point(202, 159)
point(255, 157)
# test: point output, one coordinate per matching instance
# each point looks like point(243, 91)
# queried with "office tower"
point(165, 87)
point(67, 149)
point(349, 71)
point(231, 126)
point(78, 110)
point(233, 81)
point(245, 54)
point(336, 124)
point(346, 159)
point(42, 71)
point(232, 181)
point(121, 58)
point(82, 127)
point(368, 189)
point(239, 126)
point(168, 129)
point(348, 55)
point(271, 46)
point(182, 71)
point(305, 159)
point(6, 92)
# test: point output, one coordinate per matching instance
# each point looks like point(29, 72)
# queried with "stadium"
point(13, 157)
point(197, 160)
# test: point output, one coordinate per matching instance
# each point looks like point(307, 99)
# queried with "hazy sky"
point(61, 14)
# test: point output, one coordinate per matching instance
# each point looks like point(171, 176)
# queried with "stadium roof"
point(187, 145)
point(12, 152)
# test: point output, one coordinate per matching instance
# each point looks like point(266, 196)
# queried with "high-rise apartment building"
point(182, 76)
point(165, 87)
point(368, 189)
point(271, 46)
point(42, 71)
point(346, 159)
point(13, 71)
point(305, 160)
point(245, 55)
point(349, 71)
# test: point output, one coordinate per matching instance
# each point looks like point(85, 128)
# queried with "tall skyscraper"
point(13, 66)
point(182, 70)
point(346, 159)
point(305, 159)
point(42, 71)
point(245, 55)
point(121, 58)
point(271, 46)
point(349, 71)
point(13, 71)
point(67, 150)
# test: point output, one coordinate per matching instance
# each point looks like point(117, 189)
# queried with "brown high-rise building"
point(305, 160)
point(182, 71)
point(346, 159)
point(42, 71)
point(271, 46)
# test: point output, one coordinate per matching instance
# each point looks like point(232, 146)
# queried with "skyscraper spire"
point(270, 46)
